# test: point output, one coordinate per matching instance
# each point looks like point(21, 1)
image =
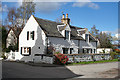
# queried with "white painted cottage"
point(38, 34)
point(12, 36)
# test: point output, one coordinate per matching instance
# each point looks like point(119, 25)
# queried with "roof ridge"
point(48, 20)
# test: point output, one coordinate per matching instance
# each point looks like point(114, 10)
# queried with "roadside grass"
point(93, 62)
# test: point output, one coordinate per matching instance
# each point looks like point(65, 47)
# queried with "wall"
point(107, 50)
point(59, 43)
point(11, 39)
point(88, 57)
point(39, 39)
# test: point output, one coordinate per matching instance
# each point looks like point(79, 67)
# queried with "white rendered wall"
point(39, 39)
point(11, 39)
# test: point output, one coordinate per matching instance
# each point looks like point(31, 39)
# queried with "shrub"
point(3, 56)
point(113, 54)
point(117, 50)
point(61, 58)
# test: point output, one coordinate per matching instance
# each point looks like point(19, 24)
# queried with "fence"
point(87, 57)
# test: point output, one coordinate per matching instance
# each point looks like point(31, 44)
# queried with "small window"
point(66, 34)
point(91, 50)
point(27, 50)
point(65, 50)
point(24, 50)
point(27, 35)
point(38, 47)
point(32, 35)
point(94, 50)
point(71, 49)
point(86, 37)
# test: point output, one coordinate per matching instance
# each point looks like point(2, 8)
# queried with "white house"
point(38, 34)
point(12, 36)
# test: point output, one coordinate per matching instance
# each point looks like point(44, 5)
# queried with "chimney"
point(65, 20)
point(63, 16)
point(67, 15)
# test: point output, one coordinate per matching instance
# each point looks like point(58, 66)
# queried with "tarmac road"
point(21, 70)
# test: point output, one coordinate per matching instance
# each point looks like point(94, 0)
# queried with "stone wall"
point(43, 59)
point(88, 57)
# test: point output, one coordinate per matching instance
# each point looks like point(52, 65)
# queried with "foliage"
point(50, 50)
point(94, 31)
point(13, 48)
point(117, 50)
point(105, 40)
point(26, 10)
point(113, 54)
point(3, 56)
point(12, 15)
point(4, 36)
point(61, 58)
point(18, 16)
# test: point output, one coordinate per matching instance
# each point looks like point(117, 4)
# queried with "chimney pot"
point(63, 16)
point(67, 15)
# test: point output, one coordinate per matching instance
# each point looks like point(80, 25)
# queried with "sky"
point(104, 15)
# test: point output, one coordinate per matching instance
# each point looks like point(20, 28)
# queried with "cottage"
point(12, 36)
point(39, 34)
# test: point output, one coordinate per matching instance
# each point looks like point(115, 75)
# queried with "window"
point(66, 34)
point(65, 50)
point(71, 49)
point(94, 50)
point(86, 37)
point(91, 50)
point(83, 50)
point(27, 35)
point(30, 35)
point(26, 51)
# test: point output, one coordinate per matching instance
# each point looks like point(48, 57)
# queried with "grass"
point(93, 62)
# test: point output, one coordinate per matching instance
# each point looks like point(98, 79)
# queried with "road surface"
point(101, 70)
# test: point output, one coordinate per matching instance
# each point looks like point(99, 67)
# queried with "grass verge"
point(93, 62)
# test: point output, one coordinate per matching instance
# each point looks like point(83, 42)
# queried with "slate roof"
point(17, 31)
point(50, 28)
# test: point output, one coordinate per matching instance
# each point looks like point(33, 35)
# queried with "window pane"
point(27, 35)
point(67, 34)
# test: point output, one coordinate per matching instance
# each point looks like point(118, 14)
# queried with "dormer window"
point(87, 37)
point(66, 34)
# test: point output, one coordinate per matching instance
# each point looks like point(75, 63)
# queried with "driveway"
point(101, 70)
point(21, 70)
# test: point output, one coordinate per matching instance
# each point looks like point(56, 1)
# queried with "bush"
point(113, 54)
point(3, 56)
point(60, 59)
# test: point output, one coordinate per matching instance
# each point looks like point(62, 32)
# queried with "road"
point(21, 70)
point(101, 70)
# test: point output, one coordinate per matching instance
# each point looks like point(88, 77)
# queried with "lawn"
point(93, 62)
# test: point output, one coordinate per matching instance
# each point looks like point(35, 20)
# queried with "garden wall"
point(43, 59)
point(88, 57)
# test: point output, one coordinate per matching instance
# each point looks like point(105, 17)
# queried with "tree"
point(4, 36)
point(94, 31)
point(26, 10)
point(18, 16)
point(105, 40)
point(12, 15)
